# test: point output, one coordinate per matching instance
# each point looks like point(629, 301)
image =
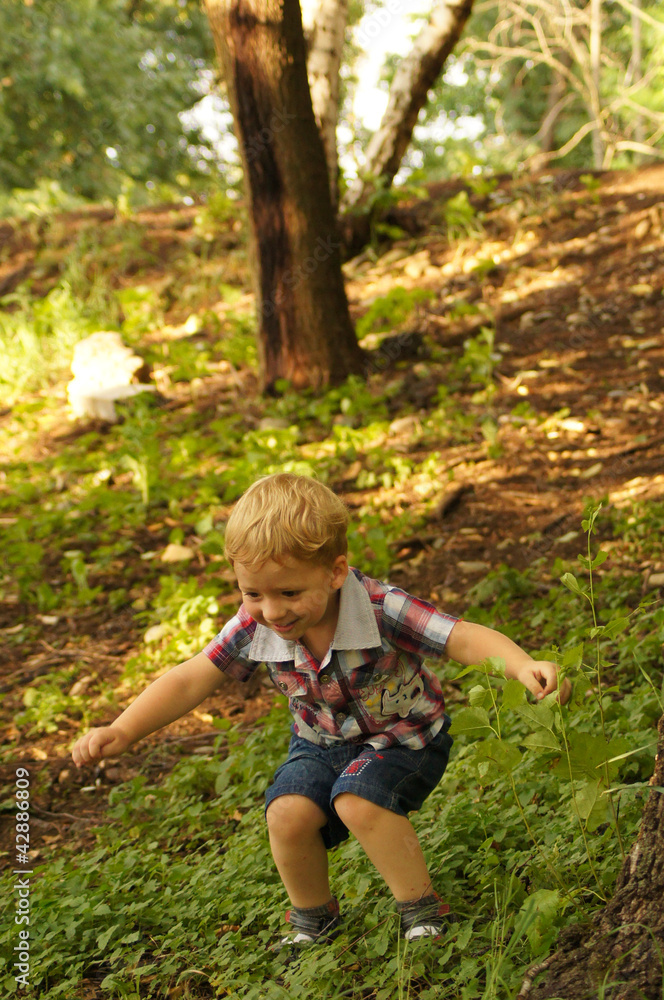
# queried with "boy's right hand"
point(106, 741)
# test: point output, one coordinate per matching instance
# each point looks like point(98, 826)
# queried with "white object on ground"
point(103, 368)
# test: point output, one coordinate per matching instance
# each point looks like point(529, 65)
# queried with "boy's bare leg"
point(390, 843)
point(294, 824)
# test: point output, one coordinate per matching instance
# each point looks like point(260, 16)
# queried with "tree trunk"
point(324, 23)
point(305, 332)
point(415, 76)
point(620, 956)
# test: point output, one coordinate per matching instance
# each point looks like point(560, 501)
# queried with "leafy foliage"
point(80, 78)
point(173, 891)
point(521, 79)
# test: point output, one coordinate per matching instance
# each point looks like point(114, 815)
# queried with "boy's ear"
point(339, 571)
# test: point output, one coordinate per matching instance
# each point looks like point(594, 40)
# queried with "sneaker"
point(423, 918)
point(317, 923)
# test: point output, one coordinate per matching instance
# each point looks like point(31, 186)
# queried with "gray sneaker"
point(423, 918)
point(316, 923)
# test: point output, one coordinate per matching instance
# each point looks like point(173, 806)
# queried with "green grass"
point(179, 888)
point(177, 894)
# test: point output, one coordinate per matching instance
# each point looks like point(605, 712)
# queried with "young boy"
point(370, 738)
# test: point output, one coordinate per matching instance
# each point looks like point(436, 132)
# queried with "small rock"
point(273, 424)
point(351, 473)
point(594, 470)
point(642, 229)
point(656, 580)
point(64, 776)
point(176, 553)
point(473, 567)
point(156, 632)
point(414, 269)
point(81, 685)
point(572, 424)
point(404, 424)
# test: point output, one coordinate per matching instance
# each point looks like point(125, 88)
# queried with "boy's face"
point(292, 597)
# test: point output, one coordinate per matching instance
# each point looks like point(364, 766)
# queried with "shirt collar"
point(356, 628)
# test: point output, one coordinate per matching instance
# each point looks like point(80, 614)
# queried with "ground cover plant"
point(501, 458)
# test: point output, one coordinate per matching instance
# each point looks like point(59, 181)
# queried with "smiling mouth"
point(284, 628)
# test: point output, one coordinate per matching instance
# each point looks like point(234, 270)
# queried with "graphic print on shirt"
point(393, 690)
point(401, 703)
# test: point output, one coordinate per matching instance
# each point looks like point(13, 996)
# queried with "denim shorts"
point(397, 778)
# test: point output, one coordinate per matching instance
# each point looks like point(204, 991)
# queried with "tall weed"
point(37, 338)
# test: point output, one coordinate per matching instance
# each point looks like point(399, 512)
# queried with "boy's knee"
point(294, 816)
point(356, 813)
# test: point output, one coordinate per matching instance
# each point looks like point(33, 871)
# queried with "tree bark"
point(305, 332)
point(324, 23)
point(622, 951)
point(412, 81)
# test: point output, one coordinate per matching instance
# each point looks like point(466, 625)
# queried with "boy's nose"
point(273, 612)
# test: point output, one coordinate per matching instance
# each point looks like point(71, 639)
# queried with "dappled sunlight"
point(514, 378)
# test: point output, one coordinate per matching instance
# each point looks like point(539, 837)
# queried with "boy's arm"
point(168, 698)
point(469, 643)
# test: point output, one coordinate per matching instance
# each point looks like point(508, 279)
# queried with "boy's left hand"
point(541, 679)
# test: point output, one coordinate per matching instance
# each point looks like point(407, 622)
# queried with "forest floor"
point(566, 273)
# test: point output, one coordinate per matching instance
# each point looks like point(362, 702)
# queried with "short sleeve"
point(415, 625)
point(229, 650)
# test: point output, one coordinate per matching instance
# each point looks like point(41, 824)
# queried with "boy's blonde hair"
point(287, 515)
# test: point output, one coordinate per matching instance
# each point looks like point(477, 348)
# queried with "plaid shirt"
point(371, 686)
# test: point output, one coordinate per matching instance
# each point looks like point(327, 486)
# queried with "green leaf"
point(540, 716)
point(573, 657)
point(514, 694)
point(104, 937)
point(495, 665)
point(600, 558)
point(381, 945)
point(539, 911)
point(480, 697)
point(610, 630)
point(588, 753)
point(588, 524)
point(465, 671)
point(591, 806)
point(134, 936)
point(544, 739)
point(471, 720)
point(615, 627)
point(570, 581)
point(495, 757)
point(579, 689)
